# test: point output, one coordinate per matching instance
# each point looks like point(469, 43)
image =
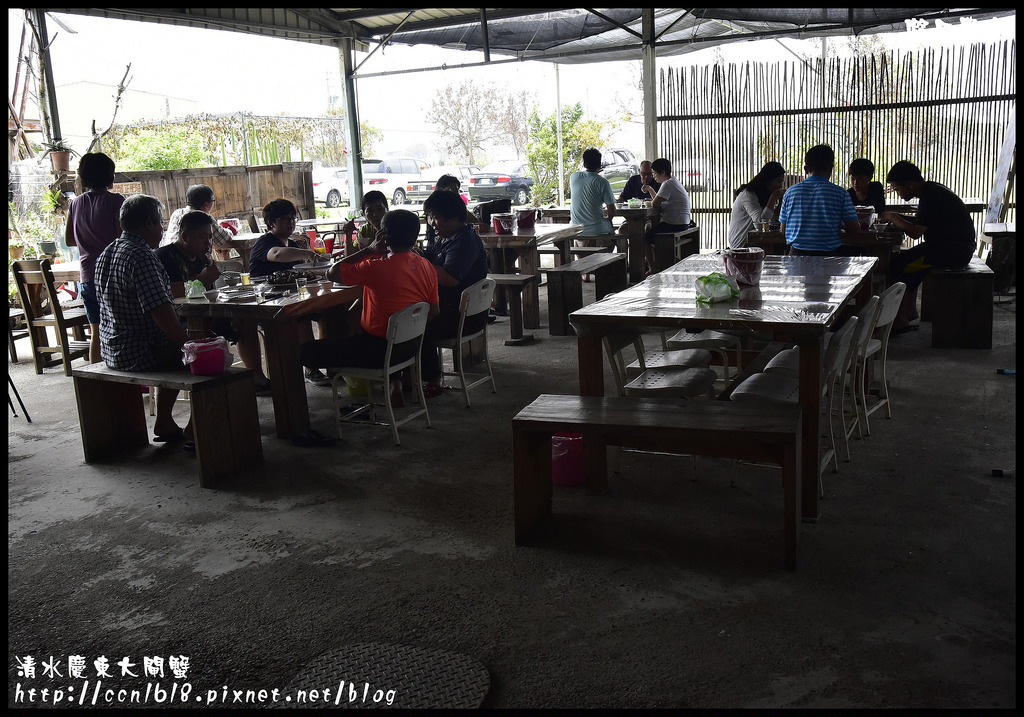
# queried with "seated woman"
point(393, 276)
point(671, 200)
point(375, 206)
point(863, 191)
point(276, 250)
point(756, 201)
point(460, 260)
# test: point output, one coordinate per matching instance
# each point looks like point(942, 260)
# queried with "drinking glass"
point(261, 290)
point(245, 279)
point(301, 286)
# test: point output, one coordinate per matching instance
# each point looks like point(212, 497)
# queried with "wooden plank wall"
point(237, 189)
point(945, 109)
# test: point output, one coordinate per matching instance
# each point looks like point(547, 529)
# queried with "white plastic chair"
point(877, 350)
point(866, 320)
point(669, 381)
point(665, 358)
point(405, 325)
point(475, 299)
point(774, 388)
point(716, 341)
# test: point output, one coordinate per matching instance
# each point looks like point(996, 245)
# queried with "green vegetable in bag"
point(716, 287)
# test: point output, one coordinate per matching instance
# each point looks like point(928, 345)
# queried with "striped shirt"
point(130, 283)
point(813, 212)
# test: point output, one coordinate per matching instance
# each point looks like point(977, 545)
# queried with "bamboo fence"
point(944, 109)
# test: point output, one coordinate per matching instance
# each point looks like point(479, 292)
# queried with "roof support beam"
point(354, 159)
point(483, 32)
point(647, 79)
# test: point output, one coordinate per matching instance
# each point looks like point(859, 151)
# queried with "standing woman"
point(756, 201)
point(93, 223)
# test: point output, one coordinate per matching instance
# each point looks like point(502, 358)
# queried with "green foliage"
point(578, 135)
point(171, 147)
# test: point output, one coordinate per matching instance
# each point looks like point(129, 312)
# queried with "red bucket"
point(502, 222)
point(206, 357)
point(526, 218)
point(567, 459)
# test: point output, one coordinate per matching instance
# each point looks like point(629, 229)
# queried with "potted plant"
point(60, 154)
point(15, 246)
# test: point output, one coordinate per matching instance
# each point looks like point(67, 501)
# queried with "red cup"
point(329, 243)
point(311, 233)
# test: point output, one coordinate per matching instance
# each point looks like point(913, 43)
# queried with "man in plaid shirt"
point(139, 330)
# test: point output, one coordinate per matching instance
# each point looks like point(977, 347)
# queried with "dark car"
point(501, 180)
point(617, 166)
point(421, 189)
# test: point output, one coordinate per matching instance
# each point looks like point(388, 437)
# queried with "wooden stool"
point(959, 305)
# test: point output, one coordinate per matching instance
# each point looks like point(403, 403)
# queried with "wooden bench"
point(515, 283)
point(711, 428)
point(959, 305)
point(554, 251)
point(225, 421)
point(565, 286)
point(672, 247)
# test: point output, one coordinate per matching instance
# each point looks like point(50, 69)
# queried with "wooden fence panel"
point(945, 109)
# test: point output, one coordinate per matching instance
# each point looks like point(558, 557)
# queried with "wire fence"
point(944, 109)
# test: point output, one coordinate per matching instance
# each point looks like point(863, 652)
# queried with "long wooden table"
point(280, 320)
point(797, 301)
point(882, 245)
point(636, 225)
point(525, 243)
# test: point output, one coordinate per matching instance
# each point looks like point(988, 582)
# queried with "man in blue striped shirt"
point(814, 210)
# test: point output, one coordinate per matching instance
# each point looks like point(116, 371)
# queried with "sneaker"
point(317, 378)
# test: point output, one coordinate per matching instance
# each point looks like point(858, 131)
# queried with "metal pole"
point(558, 134)
point(648, 78)
point(354, 160)
point(44, 59)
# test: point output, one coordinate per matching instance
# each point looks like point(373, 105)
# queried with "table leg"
point(529, 262)
point(591, 363)
point(515, 318)
point(497, 262)
point(635, 232)
point(810, 434)
point(291, 411)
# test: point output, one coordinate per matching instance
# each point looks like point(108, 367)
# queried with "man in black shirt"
point(943, 221)
point(187, 260)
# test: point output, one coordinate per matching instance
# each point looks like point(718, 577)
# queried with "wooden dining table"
point(797, 301)
point(882, 244)
point(635, 218)
point(525, 242)
point(280, 319)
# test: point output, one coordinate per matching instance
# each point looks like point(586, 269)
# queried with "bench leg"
point(515, 318)
point(226, 426)
point(609, 279)
point(531, 454)
point(565, 295)
point(111, 416)
point(595, 464)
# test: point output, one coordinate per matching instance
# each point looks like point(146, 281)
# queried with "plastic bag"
point(207, 357)
point(716, 287)
point(194, 289)
point(567, 459)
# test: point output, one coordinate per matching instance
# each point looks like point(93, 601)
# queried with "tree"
point(169, 148)
point(513, 124)
point(578, 135)
point(465, 118)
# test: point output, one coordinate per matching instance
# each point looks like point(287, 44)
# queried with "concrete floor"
point(667, 592)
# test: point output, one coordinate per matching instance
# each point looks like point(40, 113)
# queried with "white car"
point(330, 186)
point(696, 175)
point(394, 176)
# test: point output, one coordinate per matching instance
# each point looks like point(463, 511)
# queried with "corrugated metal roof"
point(552, 34)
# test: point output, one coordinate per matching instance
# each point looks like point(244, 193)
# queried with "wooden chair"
point(34, 280)
point(16, 329)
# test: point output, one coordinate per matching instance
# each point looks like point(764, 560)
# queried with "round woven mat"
point(369, 675)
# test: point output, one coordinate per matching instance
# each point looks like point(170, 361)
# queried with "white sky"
point(227, 72)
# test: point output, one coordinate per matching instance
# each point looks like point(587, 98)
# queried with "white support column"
point(354, 160)
point(648, 79)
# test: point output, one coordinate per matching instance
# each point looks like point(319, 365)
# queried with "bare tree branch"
point(121, 87)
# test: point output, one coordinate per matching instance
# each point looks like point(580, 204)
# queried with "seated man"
point(634, 188)
point(814, 210)
point(863, 191)
point(943, 221)
point(187, 260)
point(139, 330)
point(460, 260)
point(199, 197)
point(393, 276)
point(592, 197)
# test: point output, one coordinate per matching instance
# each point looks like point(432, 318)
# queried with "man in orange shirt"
point(393, 276)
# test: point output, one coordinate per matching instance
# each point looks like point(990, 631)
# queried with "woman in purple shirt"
point(91, 225)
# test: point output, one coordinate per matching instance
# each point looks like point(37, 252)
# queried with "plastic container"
point(207, 357)
point(355, 386)
point(503, 222)
point(745, 264)
point(525, 218)
point(866, 216)
point(567, 459)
